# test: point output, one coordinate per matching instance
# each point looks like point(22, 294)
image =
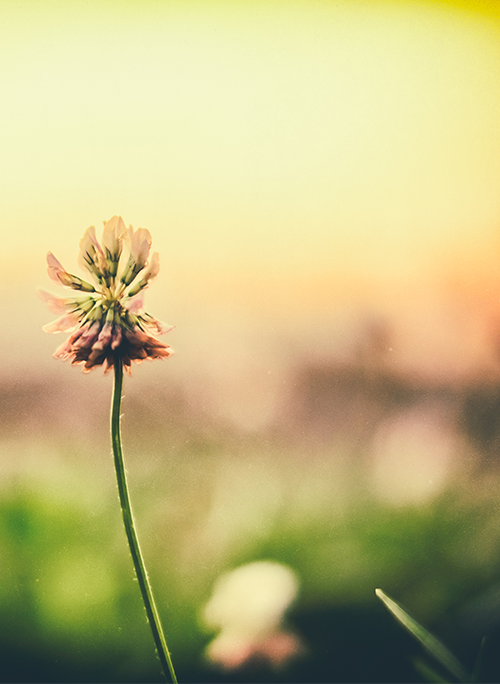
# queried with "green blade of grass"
point(479, 661)
point(428, 672)
point(428, 641)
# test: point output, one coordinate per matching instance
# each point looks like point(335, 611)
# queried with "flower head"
point(108, 320)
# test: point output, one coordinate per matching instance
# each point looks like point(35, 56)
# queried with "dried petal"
point(116, 338)
point(104, 337)
point(89, 337)
point(156, 326)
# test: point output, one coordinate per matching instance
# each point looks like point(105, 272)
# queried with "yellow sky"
point(340, 139)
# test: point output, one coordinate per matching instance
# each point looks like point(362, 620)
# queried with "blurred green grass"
point(70, 609)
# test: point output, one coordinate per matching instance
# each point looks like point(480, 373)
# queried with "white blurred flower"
point(248, 605)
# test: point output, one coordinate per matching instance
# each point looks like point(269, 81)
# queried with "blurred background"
point(322, 181)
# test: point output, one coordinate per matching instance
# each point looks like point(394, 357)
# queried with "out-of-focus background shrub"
point(321, 180)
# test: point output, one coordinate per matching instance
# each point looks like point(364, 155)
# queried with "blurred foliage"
point(70, 609)
point(305, 490)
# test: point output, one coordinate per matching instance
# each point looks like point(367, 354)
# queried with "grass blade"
point(428, 672)
point(428, 641)
point(479, 661)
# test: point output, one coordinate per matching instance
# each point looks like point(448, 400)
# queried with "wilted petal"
point(155, 326)
point(104, 337)
point(90, 364)
point(116, 338)
point(143, 346)
point(67, 349)
point(64, 351)
point(136, 337)
point(89, 337)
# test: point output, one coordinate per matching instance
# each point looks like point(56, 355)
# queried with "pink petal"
point(136, 337)
point(54, 268)
point(113, 232)
point(89, 337)
point(151, 272)
point(59, 275)
point(153, 269)
point(140, 246)
point(64, 351)
point(55, 304)
point(158, 327)
point(91, 255)
point(136, 304)
point(63, 324)
point(117, 337)
point(104, 337)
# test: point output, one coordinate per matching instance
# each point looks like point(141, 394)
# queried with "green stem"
point(128, 519)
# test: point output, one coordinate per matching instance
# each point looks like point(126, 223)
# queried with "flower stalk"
point(128, 520)
point(110, 329)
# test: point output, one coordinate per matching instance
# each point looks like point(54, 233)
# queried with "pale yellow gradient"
point(258, 141)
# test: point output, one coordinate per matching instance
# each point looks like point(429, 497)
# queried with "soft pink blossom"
point(110, 322)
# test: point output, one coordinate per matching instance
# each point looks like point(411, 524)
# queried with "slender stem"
point(128, 519)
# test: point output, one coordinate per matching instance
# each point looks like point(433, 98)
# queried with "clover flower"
point(108, 319)
point(248, 606)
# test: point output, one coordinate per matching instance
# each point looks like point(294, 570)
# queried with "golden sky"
point(283, 140)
